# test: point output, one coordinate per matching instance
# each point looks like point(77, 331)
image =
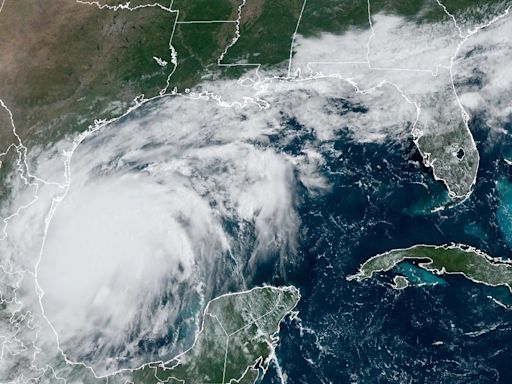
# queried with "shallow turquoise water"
point(504, 211)
point(475, 230)
point(418, 276)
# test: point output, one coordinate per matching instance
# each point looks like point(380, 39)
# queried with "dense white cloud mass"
point(164, 206)
point(110, 246)
point(483, 74)
point(184, 198)
point(394, 45)
point(143, 223)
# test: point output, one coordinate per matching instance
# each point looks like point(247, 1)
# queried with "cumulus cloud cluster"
point(180, 201)
point(188, 196)
point(482, 73)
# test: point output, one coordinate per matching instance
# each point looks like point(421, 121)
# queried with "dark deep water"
point(440, 330)
point(351, 332)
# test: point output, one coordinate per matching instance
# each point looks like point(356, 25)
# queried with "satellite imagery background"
point(255, 191)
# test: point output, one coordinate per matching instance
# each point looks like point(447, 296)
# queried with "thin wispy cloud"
point(185, 200)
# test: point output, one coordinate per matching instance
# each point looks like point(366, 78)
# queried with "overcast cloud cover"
point(185, 199)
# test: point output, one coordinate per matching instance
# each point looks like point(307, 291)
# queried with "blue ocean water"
point(381, 198)
point(349, 332)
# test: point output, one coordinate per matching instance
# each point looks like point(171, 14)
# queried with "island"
point(459, 259)
point(400, 282)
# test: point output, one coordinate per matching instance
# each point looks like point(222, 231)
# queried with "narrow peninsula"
point(235, 344)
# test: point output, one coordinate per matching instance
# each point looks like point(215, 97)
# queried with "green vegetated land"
point(66, 64)
point(206, 9)
point(238, 333)
point(453, 156)
point(267, 27)
point(198, 47)
point(454, 259)
point(266, 32)
point(400, 282)
point(134, 3)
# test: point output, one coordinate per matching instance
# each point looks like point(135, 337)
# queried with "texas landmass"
point(456, 259)
point(68, 64)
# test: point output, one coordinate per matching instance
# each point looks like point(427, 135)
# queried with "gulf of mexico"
point(367, 332)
